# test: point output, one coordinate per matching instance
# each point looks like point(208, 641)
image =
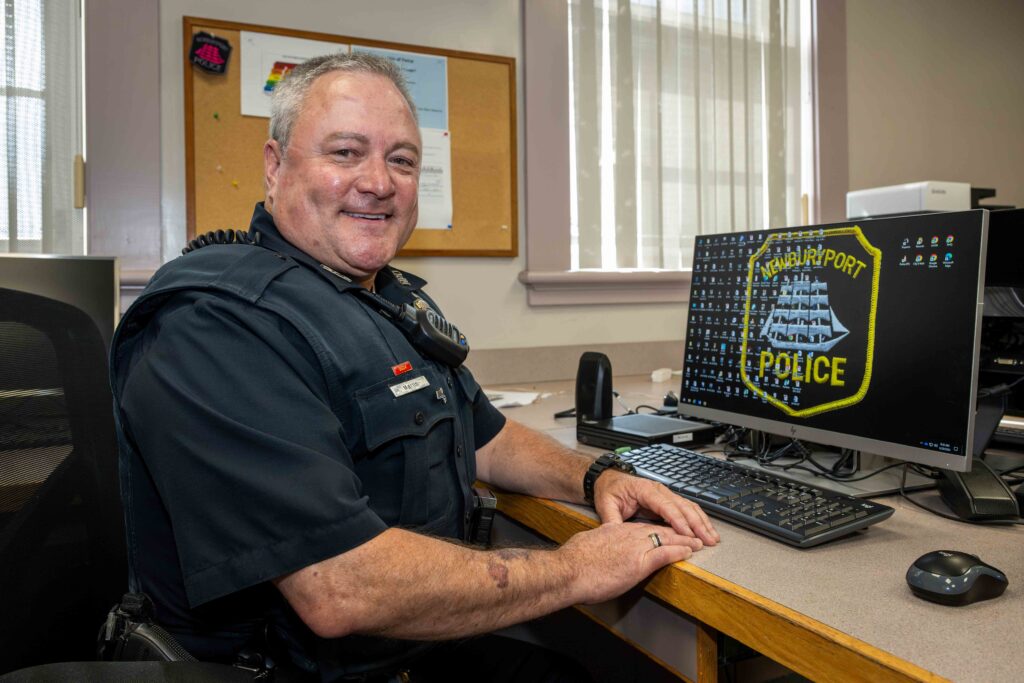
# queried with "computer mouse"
point(950, 577)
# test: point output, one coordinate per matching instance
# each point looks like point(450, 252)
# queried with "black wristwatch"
point(600, 465)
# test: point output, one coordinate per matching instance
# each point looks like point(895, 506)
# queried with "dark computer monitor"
point(860, 335)
point(1006, 241)
point(90, 283)
point(1002, 334)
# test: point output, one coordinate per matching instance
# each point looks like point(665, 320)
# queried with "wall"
point(936, 93)
point(122, 111)
point(932, 95)
point(481, 295)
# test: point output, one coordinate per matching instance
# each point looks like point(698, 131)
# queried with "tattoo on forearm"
point(498, 573)
point(496, 567)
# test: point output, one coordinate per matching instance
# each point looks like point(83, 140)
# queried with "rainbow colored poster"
point(277, 72)
point(265, 61)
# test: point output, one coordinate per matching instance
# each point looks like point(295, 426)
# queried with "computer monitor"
point(1002, 333)
point(1006, 239)
point(90, 283)
point(860, 335)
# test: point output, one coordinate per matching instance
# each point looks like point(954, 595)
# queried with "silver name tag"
point(414, 384)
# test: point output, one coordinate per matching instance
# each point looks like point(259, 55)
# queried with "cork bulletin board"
point(224, 149)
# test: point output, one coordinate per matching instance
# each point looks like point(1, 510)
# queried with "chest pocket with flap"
point(417, 426)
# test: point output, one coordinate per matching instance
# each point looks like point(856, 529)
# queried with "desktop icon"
point(935, 241)
point(949, 240)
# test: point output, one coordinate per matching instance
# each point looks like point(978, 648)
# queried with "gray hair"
point(290, 93)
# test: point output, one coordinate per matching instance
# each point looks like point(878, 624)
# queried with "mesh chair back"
point(62, 549)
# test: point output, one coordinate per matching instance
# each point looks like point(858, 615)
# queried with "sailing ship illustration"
point(802, 319)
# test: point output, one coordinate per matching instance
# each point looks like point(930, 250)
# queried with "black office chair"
point(62, 549)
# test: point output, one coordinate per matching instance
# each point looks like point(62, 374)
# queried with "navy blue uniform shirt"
point(263, 428)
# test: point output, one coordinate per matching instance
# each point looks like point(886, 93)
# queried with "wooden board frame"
point(222, 147)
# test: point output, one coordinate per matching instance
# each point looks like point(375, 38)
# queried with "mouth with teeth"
point(367, 216)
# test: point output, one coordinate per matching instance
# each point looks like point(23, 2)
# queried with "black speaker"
point(593, 387)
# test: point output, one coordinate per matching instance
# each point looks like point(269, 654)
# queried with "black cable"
point(769, 462)
point(758, 448)
point(999, 389)
point(622, 403)
point(849, 459)
point(843, 480)
point(1012, 470)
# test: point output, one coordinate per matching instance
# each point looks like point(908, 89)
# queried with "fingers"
point(608, 511)
point(699, 522)
point(669, 554)
point(624, 495)
point(674, 547)
point(668, 537)
point(685, 516)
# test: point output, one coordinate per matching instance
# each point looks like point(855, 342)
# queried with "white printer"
point(923, 196)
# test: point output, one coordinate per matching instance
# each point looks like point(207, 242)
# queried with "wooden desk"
point(841, 611)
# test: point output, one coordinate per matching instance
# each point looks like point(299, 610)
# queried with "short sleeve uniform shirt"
point(270, 419)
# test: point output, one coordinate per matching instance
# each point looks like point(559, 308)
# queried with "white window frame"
point(548, 276)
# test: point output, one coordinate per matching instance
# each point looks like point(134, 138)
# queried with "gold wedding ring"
point(655, 539)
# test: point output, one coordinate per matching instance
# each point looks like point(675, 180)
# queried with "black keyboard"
point(784, 509)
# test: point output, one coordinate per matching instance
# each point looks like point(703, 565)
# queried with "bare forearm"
point(526, 461)
point(403, 585)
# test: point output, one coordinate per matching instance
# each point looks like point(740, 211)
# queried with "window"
point(40, 101)
point(684, 117)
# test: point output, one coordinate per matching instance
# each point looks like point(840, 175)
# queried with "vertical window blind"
point(40, 101)
point(686, 120)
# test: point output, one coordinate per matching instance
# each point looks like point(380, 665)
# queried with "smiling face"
point(346, 189)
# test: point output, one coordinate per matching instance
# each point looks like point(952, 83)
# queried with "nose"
point(375, 178)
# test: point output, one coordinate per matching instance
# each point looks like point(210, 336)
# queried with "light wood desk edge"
point(805, 645)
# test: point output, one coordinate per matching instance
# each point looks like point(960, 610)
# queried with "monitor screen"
point(859, 335)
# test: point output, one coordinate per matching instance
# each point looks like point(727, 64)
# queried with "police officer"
point(296, 466)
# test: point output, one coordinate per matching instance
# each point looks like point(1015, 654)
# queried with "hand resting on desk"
point(619, 496)
point(614, 557)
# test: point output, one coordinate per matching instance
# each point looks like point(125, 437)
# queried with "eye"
point(345, 153)
point(403, 161)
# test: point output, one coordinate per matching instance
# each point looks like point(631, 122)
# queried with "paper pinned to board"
point(435, 200)
point(266, 59)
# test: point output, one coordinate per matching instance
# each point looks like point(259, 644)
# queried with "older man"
point(297, 468)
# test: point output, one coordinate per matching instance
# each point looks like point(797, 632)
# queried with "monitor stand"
point(981, 493)
point(882, 484)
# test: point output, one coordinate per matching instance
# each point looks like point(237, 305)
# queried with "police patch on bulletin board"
point(210, 53)
point(792, 331)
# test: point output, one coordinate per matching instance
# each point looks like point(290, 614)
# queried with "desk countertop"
point(850, 588)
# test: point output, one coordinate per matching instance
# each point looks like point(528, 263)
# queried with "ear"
point(272, 160)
